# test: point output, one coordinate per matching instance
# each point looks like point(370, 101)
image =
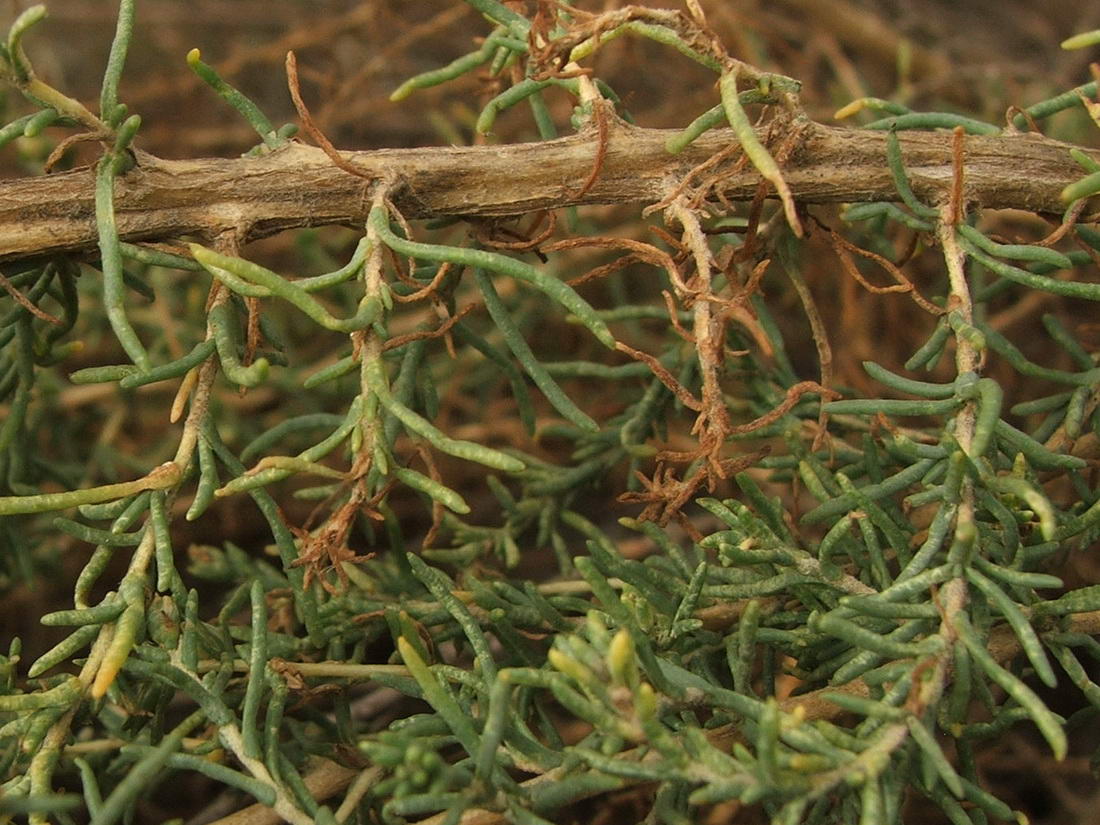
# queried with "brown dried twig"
point(844, 249)
point(638, 249)
point(683, 395)
point(794, 395)
point(425, 335)
point(25, 302)
point(310, 127)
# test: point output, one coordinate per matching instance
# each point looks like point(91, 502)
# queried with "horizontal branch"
point(299, 186)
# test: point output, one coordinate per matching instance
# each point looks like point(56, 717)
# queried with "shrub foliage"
point(829, 592)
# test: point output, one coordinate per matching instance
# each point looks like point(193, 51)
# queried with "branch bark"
point(298, 186)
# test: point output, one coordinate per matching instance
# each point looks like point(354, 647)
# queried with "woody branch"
point(299, 186)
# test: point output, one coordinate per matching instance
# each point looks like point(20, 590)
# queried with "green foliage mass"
point(873, 603)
